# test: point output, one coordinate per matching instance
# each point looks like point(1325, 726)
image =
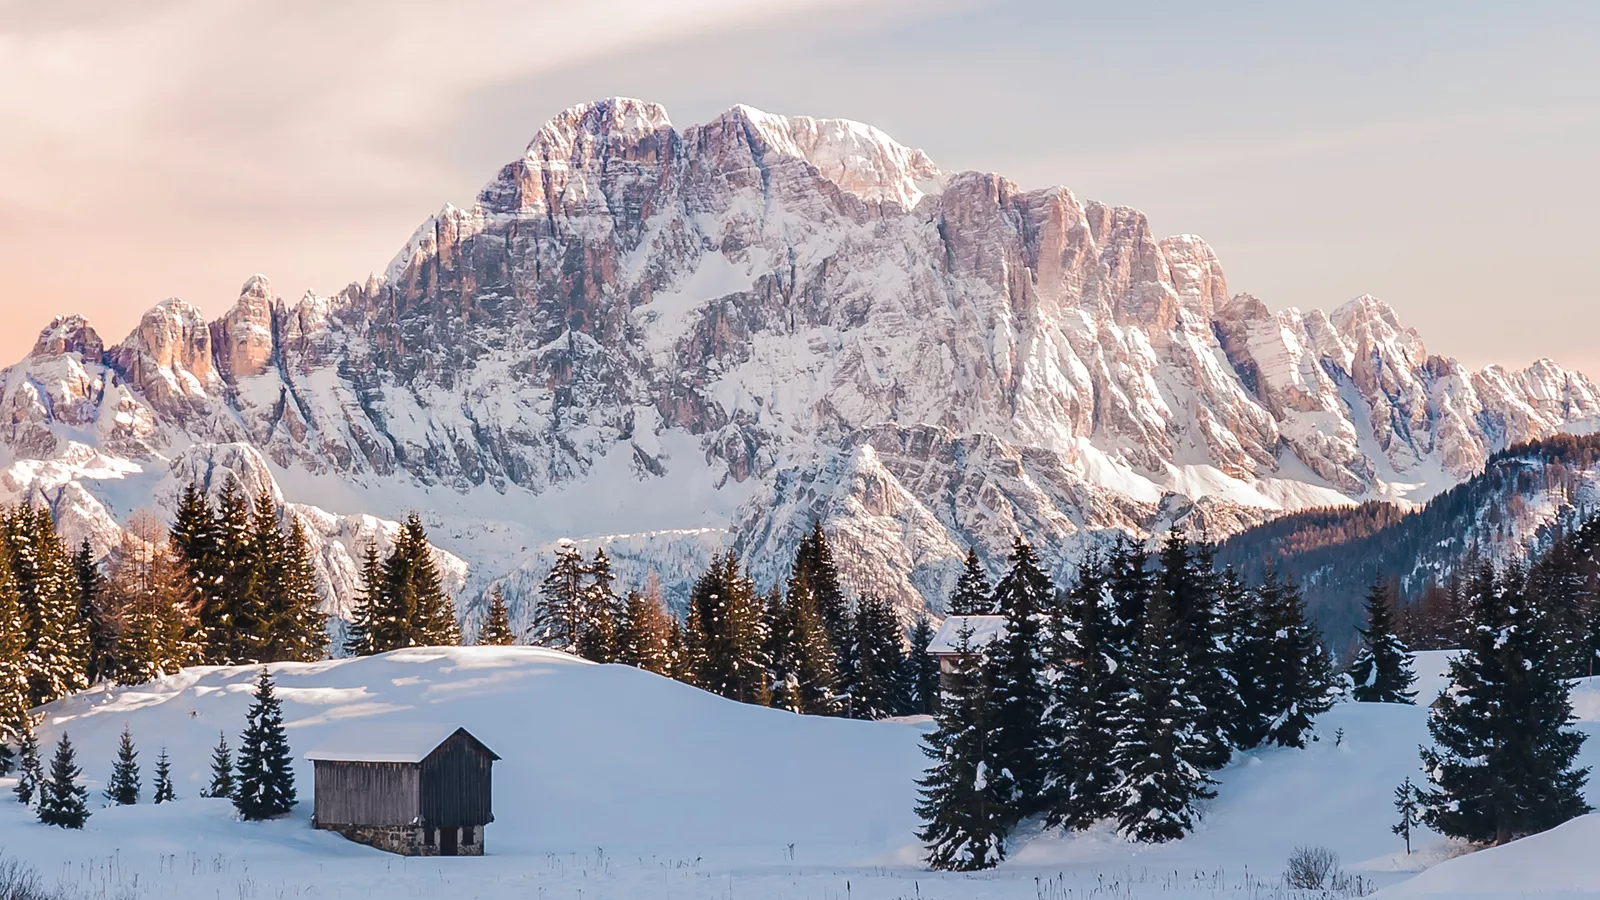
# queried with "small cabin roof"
point(409, 742)
point(984, 630)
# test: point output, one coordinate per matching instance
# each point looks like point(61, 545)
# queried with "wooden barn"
point(417, 790)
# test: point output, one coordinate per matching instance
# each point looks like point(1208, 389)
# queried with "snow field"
point(620, 784)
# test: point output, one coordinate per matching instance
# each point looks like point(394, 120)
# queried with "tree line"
point(1114, 699)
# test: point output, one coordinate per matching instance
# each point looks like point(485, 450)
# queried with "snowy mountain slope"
point(617, 783)
point(744, 324)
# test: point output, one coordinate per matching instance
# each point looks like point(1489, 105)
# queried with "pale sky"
point(1440, 155)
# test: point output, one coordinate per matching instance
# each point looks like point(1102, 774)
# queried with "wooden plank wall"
point(456, 785)
point(364, 793)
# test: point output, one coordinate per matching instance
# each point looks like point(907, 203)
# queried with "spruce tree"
point(221, 770)
point(1016, 660)
point(90, 586)
point(1298, 675)
point(62, 801)
point(1084, 692)
point(153, 603)
point(646, 635)
point(14, 687)
point(964, 828)
point(1502, 762)
point(57, 654)
point(558, 616)
point(1405, 803)
point(973, 595)
point(265, 785)
point(418, 612)
point(163, 786)
point(30, 773)
point(1189, 586)
point(1250, 637)
point(123, 788)
point(801, 654)
point(195, 541)
point(815, 572)
point(725, 637)
point(923, 669)
point(298, 629)
point(230, 617)
point(600, 608)
point(8, 759)
point(1381, 671)
point(1159, 750)
point(496, 628)
point(875, 683)
point(359, 636)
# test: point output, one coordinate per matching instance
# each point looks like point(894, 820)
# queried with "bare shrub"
point(1311, 868)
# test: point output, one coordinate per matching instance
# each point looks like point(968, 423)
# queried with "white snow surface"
point(983, 629)
point(620, 784)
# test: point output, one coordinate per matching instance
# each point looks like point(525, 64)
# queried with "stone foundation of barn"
point(414, 840)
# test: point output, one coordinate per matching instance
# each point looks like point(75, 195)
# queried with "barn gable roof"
point(409, 742)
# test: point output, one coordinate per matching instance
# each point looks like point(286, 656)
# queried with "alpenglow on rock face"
point(669, 341)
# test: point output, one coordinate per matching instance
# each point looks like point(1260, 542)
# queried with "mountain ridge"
point(758, 321)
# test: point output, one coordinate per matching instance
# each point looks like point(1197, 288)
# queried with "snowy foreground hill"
point(619, 784)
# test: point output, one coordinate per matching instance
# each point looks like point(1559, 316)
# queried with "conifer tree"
point(297, 627)
point(1132, 585)
point(30, 773)
point(558, 616)
point(1187, 582)
point(1405, 803)
point(265, 785)
point(57, 655)
point(645, 638)
point(1381, 671)
point(418, 610)
point(1016, 660)
point(62, 800)
point(14, 688)
point(1084, 693)
point(876, 683)
point(194, 540)
point(1159, 752)
point(816, 572)
point(964, 828)
point(156, 635)
point(90, 587)
point(1296, 669)
point(725, 637)
point(230, 618)
point(973, 595)
point(8, 759)
point(923, 669)
point(163, 786)
point(600, 609)
point(496, 628)
point(1249, 646)
point(123, 788)
point(221, 770)
point(1502, 762)
point(801, 654)
point(359, 638)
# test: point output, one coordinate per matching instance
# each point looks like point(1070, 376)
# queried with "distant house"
point(943, 646)
point(416, 790)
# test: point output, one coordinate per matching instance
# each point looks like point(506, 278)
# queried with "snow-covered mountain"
point(672, 340)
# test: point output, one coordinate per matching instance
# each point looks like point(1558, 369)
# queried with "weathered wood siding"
point(365, 793)
point(456, 787)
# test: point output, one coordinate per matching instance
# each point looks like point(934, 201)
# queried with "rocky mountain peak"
point(69, 334)
point(243, 336)
point(858, 158)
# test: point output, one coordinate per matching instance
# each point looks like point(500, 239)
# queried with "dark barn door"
point(447, 841)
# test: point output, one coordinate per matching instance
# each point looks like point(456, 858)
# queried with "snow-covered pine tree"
point(600, 608)
point(1084, 691)
point(1406, 804)
point(1024, 596)
point(1132, 584)
point(1189, 584)
point(194, 537)
point(229, 622)
point(726, 636)
point(964, 828)
point(922, 669)
point(875, 683)
point(558, 616)
point(298, 628)
point(359, 638)
point(90, 587)
point(1557, 583)
point(815, 571)
point(8, 759)
point(1501, 766)
point(645, 638)
point(163, 785)
point(221, 770)
point(1158, 752)
point(414, 610)
point(1249, 642)
point(58, 646)
point(30, 772)
point(973, 594)
point(496, 628)
point(264, 788)
point(1297, 672)
point(123, 787)
point(62, 800)
point(14, 693)
point(1381, 671)
point(265, 603)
